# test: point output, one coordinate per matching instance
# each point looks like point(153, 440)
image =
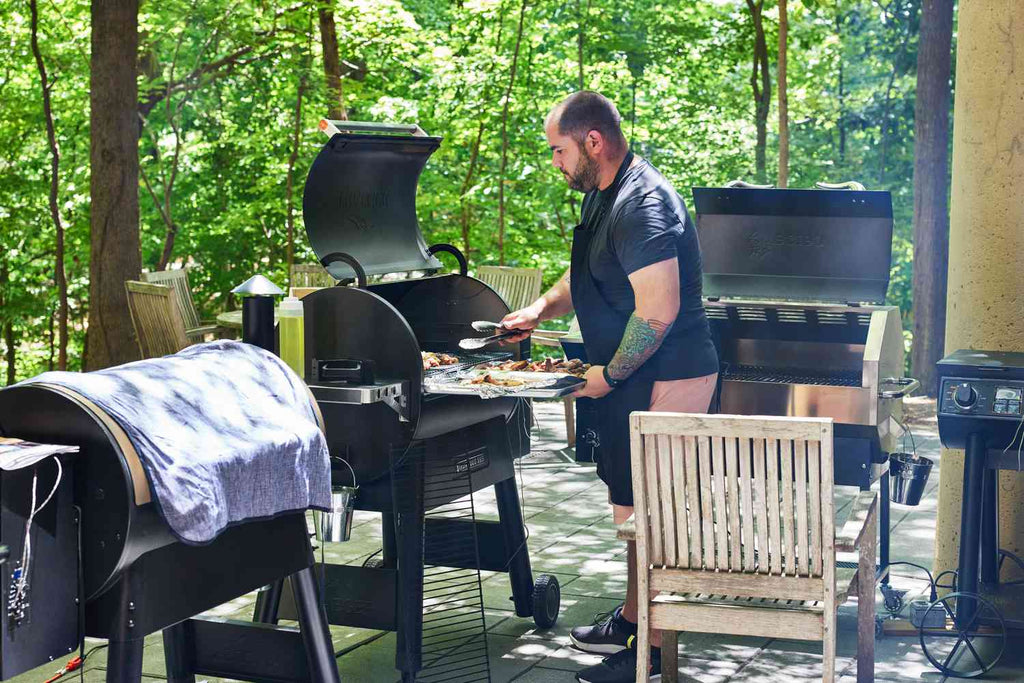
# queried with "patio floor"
point(571, 536)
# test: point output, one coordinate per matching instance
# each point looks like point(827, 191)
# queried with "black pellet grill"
point(794, 286)
point(415, 454)
point(136, 579)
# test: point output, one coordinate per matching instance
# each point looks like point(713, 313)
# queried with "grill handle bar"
point(333, 127)
point(907, 386)
point(454, 251)
point(350, 260)
point(848, 185)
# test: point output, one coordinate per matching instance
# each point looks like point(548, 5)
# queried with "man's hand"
point(525, 319)
point(595, 387)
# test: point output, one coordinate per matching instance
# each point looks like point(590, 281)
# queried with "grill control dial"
point(965, 396)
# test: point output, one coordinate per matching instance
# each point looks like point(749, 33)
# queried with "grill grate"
point(469, 360)
point(761, 373)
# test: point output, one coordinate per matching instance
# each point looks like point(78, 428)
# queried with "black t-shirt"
point(646, 224)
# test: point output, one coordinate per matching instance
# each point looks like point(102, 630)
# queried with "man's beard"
point(584, 176)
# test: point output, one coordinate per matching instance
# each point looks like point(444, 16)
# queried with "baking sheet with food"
point(491, 381)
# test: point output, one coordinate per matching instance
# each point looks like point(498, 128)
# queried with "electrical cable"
point(931, 581)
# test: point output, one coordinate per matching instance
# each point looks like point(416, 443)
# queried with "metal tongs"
point(474, 343)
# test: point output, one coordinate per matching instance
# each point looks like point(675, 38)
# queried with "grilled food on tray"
point(574, 367)
point(436, 360)
point(497, 381)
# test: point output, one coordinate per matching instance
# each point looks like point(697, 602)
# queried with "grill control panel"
point(982, 397)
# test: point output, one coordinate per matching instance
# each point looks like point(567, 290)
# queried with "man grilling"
point(635, 285)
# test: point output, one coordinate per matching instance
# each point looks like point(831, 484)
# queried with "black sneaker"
point(621, 667)
point(608, 634)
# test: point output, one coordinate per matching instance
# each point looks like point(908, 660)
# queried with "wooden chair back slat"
point(159, 329)
point(679, 497)
point(771, 452)
point(760, 506)
point(802, 533)
point(814, 481)
point(651, 468)
point(668, 514)
point(788, 510)
point(746, 484)
point(519, 287)
point(707, 528)
point(733, 496)
point(691, 501)
point(720, 521)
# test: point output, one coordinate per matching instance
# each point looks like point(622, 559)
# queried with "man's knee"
point(620, 513)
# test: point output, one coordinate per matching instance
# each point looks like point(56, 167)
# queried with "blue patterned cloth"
point(226, 433)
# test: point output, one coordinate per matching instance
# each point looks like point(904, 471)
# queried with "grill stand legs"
point(409, 537)
point(520, 574)
point(124, 652)
point(313, 626)
point(970, 524)
point(883, 528)
point(267, 602)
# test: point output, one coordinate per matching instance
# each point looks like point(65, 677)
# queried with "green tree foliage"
point(218, 83)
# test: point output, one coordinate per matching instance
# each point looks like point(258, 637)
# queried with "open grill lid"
point(803, 245)
point(360, 199)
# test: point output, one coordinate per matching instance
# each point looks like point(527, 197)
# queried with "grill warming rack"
point(772, 375)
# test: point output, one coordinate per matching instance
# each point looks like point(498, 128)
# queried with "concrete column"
point(985, 301)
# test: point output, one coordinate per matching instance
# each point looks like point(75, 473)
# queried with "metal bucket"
point(336, 526)
point(908, 477)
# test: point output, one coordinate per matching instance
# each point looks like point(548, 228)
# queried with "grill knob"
point(965, 396)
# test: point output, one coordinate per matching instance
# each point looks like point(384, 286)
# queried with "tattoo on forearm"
point(639, 342)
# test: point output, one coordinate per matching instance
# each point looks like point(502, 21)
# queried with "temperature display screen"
point(1007, 394)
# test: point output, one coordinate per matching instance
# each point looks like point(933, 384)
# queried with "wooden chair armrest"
point(206, 327)
point(627, 530)
point(861, 520)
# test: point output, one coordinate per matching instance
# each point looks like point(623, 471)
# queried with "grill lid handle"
point(452, 249)
point(848, 185)
point(907, 386)
point(336, 256)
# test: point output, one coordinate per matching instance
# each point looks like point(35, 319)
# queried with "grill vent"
point(716, 313)
point(831, 318)
point(749, 313)
point(864, 320)
point(792, 315)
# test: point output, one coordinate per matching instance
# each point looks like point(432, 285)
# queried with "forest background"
point(230, 93)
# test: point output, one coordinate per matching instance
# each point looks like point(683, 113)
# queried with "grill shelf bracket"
point(395, 395)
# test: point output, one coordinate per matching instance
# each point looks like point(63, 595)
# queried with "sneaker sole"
point(608, 649)
point(655, 678)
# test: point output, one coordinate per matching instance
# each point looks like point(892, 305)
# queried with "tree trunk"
point(783, 99)
point(10, 353)
point(474, 155)
point(504, 137)
point(114, 181)
point(290, 182)
point(51, 137)
point(332, 62)
point(931, 189)
point(762, 90)
point(583, 15)
point(841, 124)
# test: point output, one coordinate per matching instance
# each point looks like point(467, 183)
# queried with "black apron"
point(602, 328)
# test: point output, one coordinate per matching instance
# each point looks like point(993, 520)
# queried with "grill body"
point(130, 558)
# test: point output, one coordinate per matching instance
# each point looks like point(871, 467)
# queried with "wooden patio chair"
point(195, 329)
point(311, 275)
point(159, 329)
point(519, 287)
point(734, 531)
point(554, 338)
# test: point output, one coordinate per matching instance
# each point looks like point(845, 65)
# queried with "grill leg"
point(520, 575)
point(883, 528)
point(313, 627)
point(409, 502)
point(970, 523)
point(990, 528)
point(390, 547)
point(178, 649)
point(124, 661)
point(267, 603)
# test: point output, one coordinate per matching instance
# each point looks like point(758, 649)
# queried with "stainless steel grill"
point(795, 284)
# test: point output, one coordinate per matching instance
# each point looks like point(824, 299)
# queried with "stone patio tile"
point(569, 659)
point(599, 579)
point(575, 611)
point(791, 666)
point(540, 674)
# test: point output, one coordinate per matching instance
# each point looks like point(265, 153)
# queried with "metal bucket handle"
point(355, 484)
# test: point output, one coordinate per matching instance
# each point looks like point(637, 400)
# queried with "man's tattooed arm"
point(639, 342)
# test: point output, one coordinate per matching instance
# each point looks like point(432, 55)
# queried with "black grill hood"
point(803, 245)
point(360, 199)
